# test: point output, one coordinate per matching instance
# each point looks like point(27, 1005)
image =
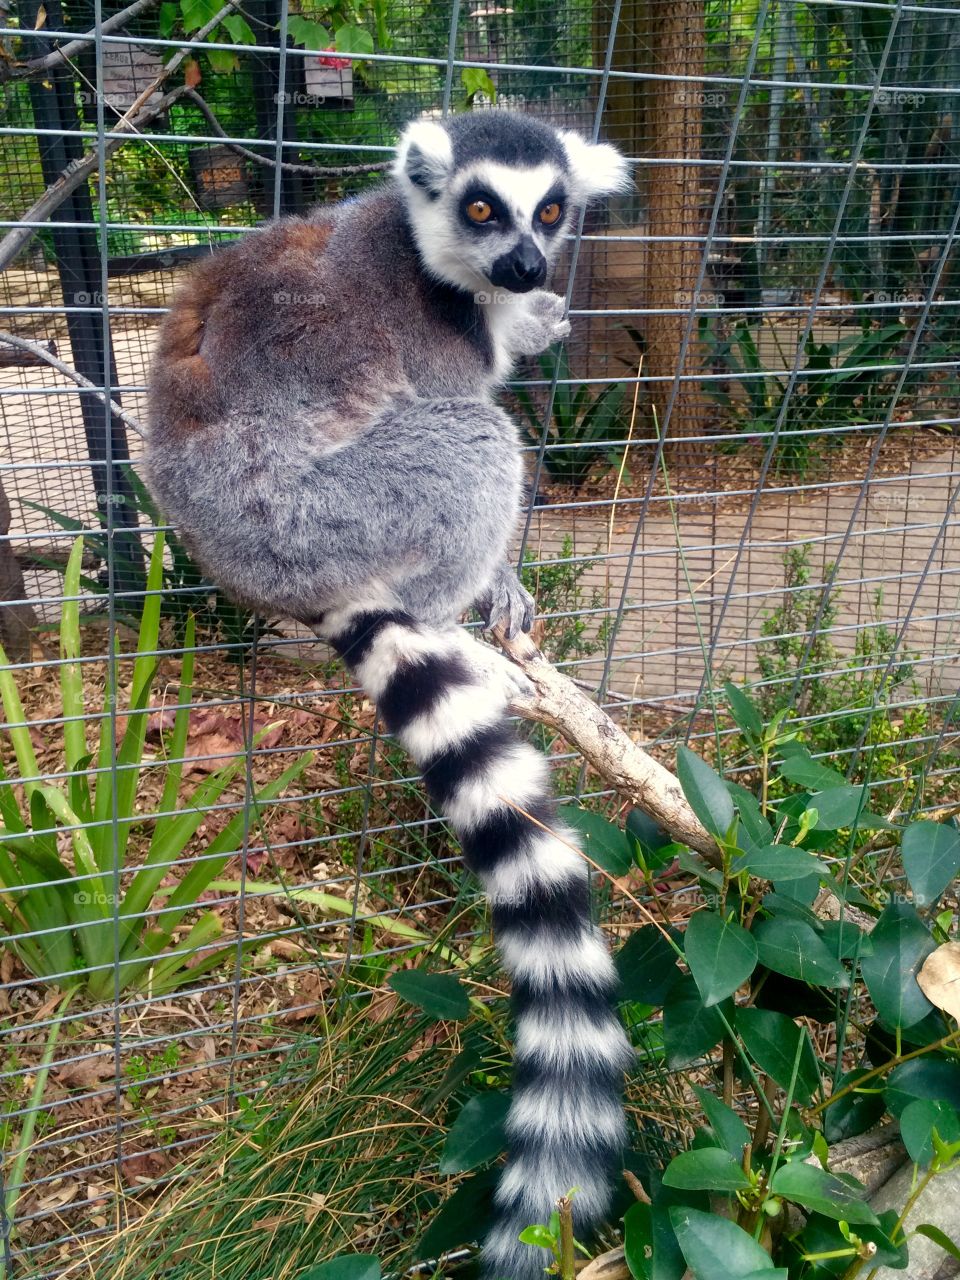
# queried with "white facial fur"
point(463, 256)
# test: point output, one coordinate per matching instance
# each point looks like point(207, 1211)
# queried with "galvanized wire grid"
point(813, 157)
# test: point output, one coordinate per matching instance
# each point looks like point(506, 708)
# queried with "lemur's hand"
point(506, 601)
point(538, 322)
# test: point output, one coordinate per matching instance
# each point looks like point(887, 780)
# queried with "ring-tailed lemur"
point(323, 433)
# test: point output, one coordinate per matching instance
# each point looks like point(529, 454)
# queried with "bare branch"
point(49, 358)
point(40, 66)
point(559, 703)
point(288, 166)
point(78, 171)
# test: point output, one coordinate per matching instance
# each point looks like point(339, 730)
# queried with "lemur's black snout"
point(522, 269)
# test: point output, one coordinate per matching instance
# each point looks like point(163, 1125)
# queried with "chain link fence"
point(743, 466)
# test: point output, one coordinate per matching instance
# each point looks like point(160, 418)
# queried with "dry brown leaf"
point(86, 1073)
point(318, 1202)
point(939, 978)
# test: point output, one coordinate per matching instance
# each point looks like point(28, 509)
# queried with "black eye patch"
point(499, 215)
point(555, 196)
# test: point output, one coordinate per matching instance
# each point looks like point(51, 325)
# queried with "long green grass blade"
point(18, 731)
point(71, 678)
point(219, 852)
point(169, 846)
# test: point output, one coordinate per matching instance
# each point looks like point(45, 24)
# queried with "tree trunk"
point(676, 199)
point(17, 621)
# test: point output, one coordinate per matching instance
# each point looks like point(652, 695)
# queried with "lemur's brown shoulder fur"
point(183, 380)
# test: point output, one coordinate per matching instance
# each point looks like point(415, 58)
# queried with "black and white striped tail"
point(566, 1127)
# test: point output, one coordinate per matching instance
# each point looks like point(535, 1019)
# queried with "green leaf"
point(351, 39)
point(477, 1135)
point(238, 29)
point(439, 994)
point(721, 955)
point(939, 1238)
point(463, 1218)
point(854, 1113)
point(926, 1077)
point(931, 859)
point(777, 862)
point(715, 1248)
point(476, 80)
point(754, 831)
point(770, 1040)
point(539, 1235)
point(839, 807)
point(311, 35)
point(707, 1169)
point(801, 768)
point(813, 1188)
point(652, 842)
point(743, 710)
point(647, 967)
point(706, 792)
point(167, 18)
point(792, 948)
point(197, 13)
point(900, 942)
point(917, 1123)
point(689, 1028)
point(638, 1241)
point(349, 1266)
point(603, 841)
point(724, 1121)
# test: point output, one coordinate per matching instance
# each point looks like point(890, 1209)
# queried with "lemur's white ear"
point(597, 168)
point(424, 156)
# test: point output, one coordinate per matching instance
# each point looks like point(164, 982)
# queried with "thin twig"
point(63, 53)
point(559, 703)
point(49, 358)
point(567, 1254)
point(83, 167)
point(288, 166)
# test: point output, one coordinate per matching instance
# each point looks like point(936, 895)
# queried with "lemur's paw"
point(541, 322)
point(507, 602)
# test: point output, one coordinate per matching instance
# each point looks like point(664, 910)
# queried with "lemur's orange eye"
point(479, 211)
point(550, 213)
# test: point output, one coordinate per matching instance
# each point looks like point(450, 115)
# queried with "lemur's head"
point(489, 194)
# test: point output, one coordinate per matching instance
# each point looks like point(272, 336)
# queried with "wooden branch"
point(637, 776)
point(288, 166)
point(43, 356)
point(40, 66)
point(78, 171)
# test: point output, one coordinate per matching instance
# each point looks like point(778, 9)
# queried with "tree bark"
point(675, 203)
point(17, 621)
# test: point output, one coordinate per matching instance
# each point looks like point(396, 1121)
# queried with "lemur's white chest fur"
point(521, 324)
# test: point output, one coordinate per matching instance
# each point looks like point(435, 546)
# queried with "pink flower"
point(341, 64)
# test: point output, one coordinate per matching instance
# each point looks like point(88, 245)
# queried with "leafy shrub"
point(58, 912)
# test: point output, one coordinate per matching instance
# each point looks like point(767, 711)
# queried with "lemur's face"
point(491, 194)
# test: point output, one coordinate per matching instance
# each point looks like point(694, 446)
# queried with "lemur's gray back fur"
point(323, 434)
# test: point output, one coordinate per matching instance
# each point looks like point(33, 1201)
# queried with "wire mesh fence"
point(743, 466)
